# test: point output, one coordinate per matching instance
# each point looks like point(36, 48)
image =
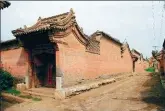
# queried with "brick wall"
point(71, 59)
point(78, 64)
point(140, 64)
point(14, 61)
point(127, 61)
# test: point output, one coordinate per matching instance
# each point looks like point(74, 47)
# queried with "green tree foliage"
point(6, 80)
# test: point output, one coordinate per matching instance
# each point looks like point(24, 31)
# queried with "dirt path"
point(131, 94)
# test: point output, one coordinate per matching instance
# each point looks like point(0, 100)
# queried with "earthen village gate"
point(41, 43)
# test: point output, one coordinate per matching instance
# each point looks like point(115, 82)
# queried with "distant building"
point(4, 4)
point(139, 63)
point(160, 57)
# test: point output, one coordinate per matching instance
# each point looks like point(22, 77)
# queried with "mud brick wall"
point(77, 64)
point(140, 64)
point(14, 61)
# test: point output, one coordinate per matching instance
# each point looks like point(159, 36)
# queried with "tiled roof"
point(9, 44)
point(133, 50)
point(61, 22)
point(4, 4)
point(134, 56)
point(106, 35)
point(93, 47)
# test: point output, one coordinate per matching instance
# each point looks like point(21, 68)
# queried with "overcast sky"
point(131, 20)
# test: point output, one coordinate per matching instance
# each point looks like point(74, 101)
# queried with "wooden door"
point(51, 82)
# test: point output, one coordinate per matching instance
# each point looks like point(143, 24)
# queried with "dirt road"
point(141, 92)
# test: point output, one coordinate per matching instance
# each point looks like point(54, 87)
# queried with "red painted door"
point(50, 76)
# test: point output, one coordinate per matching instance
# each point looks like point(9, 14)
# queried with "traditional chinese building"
point(55, 51)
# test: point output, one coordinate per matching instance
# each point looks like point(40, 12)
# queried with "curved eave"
point(82, 34)
point(136, 51)
point(30, 31)
point(48, 23)
point(112, 38)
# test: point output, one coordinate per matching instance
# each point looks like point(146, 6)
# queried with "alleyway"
point(135, 93)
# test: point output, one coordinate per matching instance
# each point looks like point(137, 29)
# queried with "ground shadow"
point(154, 93)
point(6, 104)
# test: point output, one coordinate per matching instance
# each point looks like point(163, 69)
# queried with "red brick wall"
point(111, 60)
point(140, 65)
point(77, 64)
point(126, 62)
point(71, 59)
point(14, 61)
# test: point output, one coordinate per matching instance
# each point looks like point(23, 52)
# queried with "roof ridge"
point(46, 18)
point(43, 24)
point(136, 51)
point(112, 37)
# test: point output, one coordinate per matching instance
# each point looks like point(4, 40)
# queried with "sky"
point(140, 23)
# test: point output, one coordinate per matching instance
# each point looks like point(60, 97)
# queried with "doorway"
point(44, 66)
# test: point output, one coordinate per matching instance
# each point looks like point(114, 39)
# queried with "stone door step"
point(38, 94)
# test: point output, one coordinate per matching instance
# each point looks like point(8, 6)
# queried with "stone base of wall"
point(89, 80)
point(70, 91)
point(88, 85)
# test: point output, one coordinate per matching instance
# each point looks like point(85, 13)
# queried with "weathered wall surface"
point(126, 61)
point(146, 64)
point(77, 64)
point(110, 56)
point(140, 64)
point(111, 60)
point(71, 59)
point(14, 61)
